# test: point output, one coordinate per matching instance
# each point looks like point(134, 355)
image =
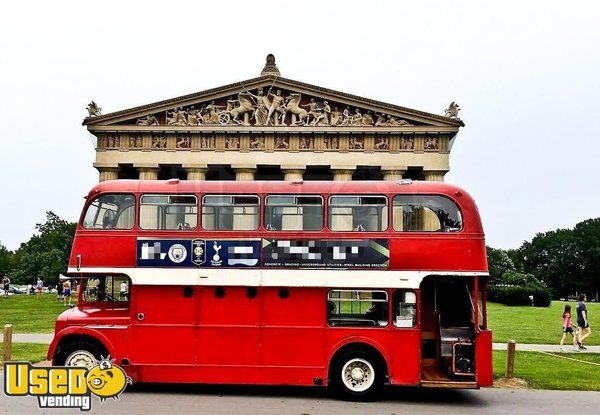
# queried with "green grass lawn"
point(29, 352)
point(541, 325)
point(543, 371)
point(27, 314)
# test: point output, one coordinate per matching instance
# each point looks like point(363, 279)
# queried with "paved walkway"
point(549, 348)
point(44, 338)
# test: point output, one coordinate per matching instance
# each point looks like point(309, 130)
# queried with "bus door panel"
point(405, 365)
point(229, 326)
point(164, 329)
point(405, 344)
point(293, 322)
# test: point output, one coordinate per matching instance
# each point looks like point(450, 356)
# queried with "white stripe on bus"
point(256, 277)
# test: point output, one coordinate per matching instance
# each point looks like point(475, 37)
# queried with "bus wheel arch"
point(79, 350)
point(357, 371)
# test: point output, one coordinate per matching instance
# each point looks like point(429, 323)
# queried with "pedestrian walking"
point(39, 286)
point(567, 328)
point(59, 291)
point(6, 284)
point(582, 320)
point(67, 292)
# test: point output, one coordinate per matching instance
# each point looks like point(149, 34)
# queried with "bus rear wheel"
point(80, 353)
point(357, 376)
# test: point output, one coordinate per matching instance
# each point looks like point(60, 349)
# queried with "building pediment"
point(271, 102)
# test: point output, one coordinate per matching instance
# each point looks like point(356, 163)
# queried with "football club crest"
point(198, 251)
point(177, 253)
point(216, 259)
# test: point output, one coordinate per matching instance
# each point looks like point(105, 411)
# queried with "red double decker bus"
point(347, 284)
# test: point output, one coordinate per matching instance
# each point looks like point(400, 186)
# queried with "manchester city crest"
point(177, 253)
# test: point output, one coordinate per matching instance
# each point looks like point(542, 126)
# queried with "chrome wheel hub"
point(358, 375)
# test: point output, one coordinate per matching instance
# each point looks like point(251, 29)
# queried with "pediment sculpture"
point(271, 108)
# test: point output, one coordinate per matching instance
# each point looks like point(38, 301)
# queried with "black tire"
point(365, 389)
point(69, 347)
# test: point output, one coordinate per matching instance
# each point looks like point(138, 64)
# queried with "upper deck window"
point(358, 213)
point(230, 212)
point(426, 213)
point(168, 212)
point(294, 213)
point(110, 211)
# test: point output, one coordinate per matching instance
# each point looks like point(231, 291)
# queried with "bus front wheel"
point(357, 375)
point(81, 352)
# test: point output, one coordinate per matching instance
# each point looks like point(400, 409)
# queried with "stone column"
point(434, 175)
point(290, 174)
point(108, 173)
point(430, 220)
point(392, 174)
point(196, 172)
point(147, 172)
point(341, 175)
point(244, 172)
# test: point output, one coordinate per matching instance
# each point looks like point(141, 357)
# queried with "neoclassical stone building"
point(272, 128)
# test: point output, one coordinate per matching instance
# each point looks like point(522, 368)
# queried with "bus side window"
point(110, 211)
point(230, 212)
point(173, 212)
point(106, 289)
point(294, 213)
point(358, 213)
point(405, 308)
point(426, 213)
point(357, 308)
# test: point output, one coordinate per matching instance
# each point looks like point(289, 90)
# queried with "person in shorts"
point(567, 328)
point(38, 288)
point(583, 322)
point(59, 291)
point(6, 284)
point(67, 292)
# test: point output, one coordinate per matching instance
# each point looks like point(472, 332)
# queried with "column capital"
point(341, 174)
point(147, 171)
point(146, 166)
point(243, 166)
point(434, 175)
point(187, 166)
point(106, 165)
point(244, 173)
point(393, 173)
point(293, 167)
point(108, 173)
point(195, 173)
point(290, 174)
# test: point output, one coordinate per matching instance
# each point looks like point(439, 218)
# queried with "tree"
point(46, 254)
point(5, 261)
point(587, 234)
point(498, 263)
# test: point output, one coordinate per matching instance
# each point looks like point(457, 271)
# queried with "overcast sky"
point(526, 75)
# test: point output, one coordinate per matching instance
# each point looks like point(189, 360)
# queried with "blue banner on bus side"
point(197, 253)
point(326, 253)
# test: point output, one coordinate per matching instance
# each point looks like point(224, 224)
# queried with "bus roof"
point(213, 186)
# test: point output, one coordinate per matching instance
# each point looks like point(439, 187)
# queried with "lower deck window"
point(106, 288)
point(405, 308)
point(357, 308)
